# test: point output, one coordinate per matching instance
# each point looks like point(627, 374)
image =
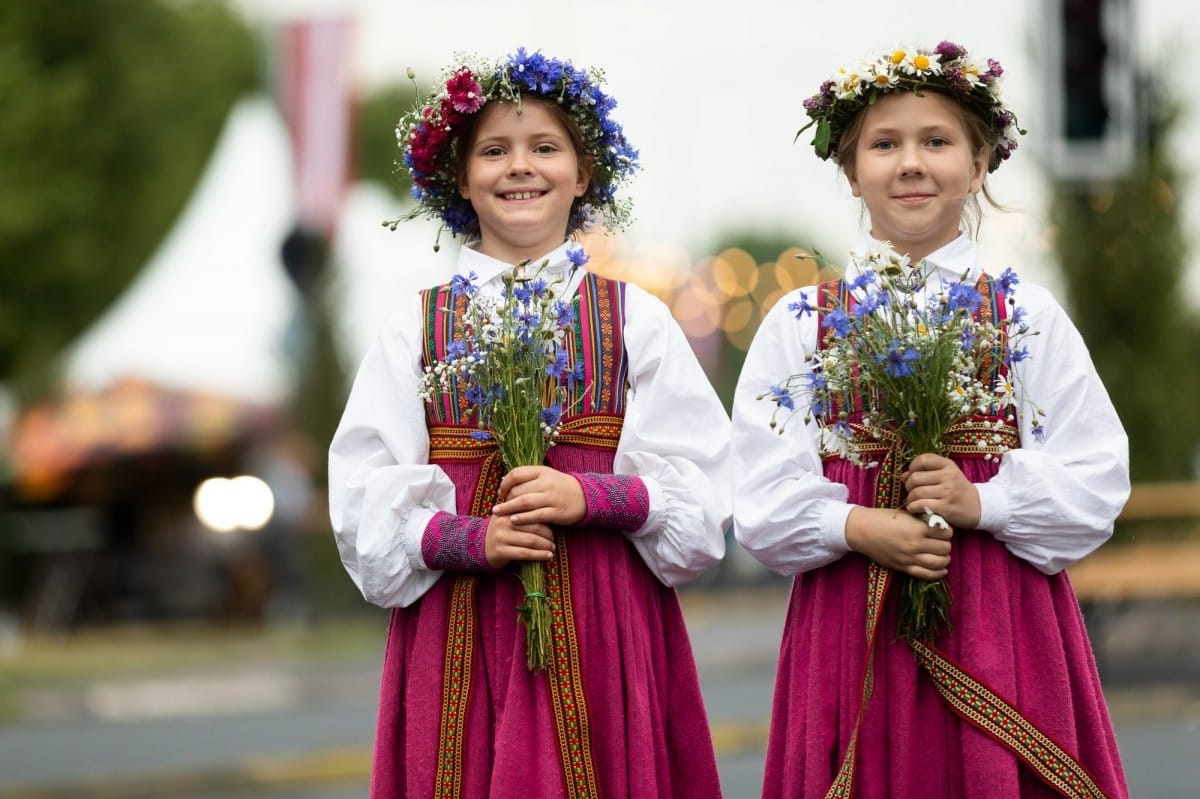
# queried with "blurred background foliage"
point(1123, 254)
point(376, 152)
point(110, 113)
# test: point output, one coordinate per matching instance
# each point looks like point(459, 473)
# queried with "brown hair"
point(978, 133)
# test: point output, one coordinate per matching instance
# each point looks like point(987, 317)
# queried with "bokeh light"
point(241, 503)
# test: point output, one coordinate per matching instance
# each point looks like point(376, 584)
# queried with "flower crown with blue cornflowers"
point(946, 69)
point(430, 135)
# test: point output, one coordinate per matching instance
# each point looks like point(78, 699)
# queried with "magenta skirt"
point(1014, 629)
point(621, 715)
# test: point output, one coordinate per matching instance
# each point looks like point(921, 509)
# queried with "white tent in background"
point(211, 308)
point(377, 270)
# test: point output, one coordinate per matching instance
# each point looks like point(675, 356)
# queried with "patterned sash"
point(595, 341)
point(969, 698)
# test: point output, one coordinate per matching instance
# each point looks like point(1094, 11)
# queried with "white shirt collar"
point(487, 268)
point(952, 261)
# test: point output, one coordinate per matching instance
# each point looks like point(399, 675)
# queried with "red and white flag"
point(315, 97)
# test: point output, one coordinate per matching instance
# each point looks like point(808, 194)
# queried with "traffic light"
point(1090, 80)
point(1085, 54)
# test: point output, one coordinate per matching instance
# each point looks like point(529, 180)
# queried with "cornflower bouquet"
point(515, 374)
point(915, 353)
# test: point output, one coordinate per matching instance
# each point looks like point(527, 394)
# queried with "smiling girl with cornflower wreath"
point(1005, 700)
point(517, 157)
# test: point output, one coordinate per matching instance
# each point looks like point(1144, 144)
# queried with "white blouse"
point(383, 491)
point(1052, 502)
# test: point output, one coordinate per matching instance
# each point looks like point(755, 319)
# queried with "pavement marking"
point(189, 697)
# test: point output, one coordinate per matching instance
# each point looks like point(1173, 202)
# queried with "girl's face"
point(915, 167)
point(522, 175)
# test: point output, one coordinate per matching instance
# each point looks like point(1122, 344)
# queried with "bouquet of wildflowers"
point(513, 369)
point(913, 352)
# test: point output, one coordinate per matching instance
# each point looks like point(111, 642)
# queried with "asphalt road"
point(304, 733)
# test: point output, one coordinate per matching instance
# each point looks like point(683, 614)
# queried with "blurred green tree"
point(377, 154)
point(111, 109)
point(1122, 250)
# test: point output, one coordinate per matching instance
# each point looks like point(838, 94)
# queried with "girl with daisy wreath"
point(518, 157)
point(1004, 700)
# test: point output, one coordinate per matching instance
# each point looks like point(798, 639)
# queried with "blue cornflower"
point(1016, 356)
point(461, 284)
point(870, 304)
point(964, 298)
point(558, 367)
point(838, 322)
point(1008, 279)
point(476, 396)
point(528, 321)
point(481, 435)
point(575, 376)
point(1018, 319)
point(782, 397)
point(565, 312)
point(456, 348)
point(551, 415)
point(967, 338)
point(898, 359)
point(539, 287)
point(577, 255)
point(801, 307)
point(604, 102)
point(862, 281)
point(459, 216)
point(1039, 433)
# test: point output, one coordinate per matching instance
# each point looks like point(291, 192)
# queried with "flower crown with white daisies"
point(430, 135)
point(946, 69)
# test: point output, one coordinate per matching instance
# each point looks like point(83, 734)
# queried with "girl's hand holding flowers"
point(507, 541)
point(539, 494)
point(936, 485)
point(900, 541)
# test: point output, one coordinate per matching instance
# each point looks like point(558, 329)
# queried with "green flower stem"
point(924, 609)
point(924, 604)
point(535, 614)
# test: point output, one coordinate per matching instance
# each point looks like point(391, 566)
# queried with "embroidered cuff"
point(455, 543)
point(614, 500)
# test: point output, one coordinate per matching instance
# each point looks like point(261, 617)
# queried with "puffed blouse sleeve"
point(382, 489)
point(787, 515)
point(1056, 498)
point(676, 439)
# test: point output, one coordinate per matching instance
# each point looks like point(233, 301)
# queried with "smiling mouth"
point(522, 195)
